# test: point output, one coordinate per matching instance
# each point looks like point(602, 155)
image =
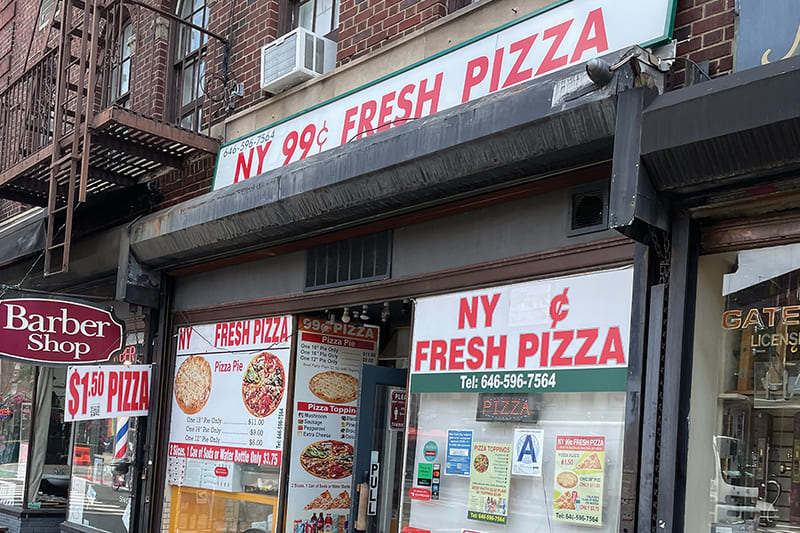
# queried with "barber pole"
point(121, 441)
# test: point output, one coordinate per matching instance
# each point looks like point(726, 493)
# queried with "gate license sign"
point(107, 391)
point(58, 332)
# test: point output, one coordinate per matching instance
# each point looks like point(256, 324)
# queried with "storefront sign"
point(107, 391)
point(560, 35)
point(527, 453)
point(459, 452)
point(58, 332)
point(329, 358)
point(228, 401)
point(557, 335)
point(578, 479)
point(489, 481)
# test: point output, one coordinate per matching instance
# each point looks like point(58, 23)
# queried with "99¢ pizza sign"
point(561, 35)
point(108, 391)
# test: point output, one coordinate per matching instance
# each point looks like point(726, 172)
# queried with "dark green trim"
point(572, 380)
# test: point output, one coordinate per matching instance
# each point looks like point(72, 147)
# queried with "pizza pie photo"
point(328, 459)
point(263, 384)
point(193, 384)
point(481, 463)
point(334, 387)
point(567, 479)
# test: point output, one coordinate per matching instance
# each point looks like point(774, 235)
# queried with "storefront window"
point(744, 433)
point(226, 435)
point(101, 485)
point(16, 390)
point(517, 407)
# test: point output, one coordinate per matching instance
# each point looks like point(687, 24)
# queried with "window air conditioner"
point(294, 58)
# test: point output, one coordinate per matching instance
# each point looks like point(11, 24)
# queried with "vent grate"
point(356, 260)
point(588, 209)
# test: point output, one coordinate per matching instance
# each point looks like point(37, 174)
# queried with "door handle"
point(363, 497)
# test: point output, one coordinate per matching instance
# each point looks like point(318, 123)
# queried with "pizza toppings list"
point(329, 359)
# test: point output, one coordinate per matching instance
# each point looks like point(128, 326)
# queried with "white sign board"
point(557, 335)
point(107, 391)
point(561, 35)
point(229, 400)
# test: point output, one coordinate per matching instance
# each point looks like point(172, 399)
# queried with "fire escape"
point(68, 140)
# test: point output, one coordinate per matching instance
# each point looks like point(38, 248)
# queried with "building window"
point(46, 13)
point(190, 63)
point(121, 71)
point(318, 16)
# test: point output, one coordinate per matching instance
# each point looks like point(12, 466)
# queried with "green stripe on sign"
point(573, 380)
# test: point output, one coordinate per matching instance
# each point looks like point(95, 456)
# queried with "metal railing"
point(26, 112)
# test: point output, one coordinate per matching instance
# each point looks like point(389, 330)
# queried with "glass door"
point(378, 468)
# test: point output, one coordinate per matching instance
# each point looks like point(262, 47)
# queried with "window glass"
point(16, 403)
point(48, 480)
point(101, 484)
point(190, 63)
point(744, 434)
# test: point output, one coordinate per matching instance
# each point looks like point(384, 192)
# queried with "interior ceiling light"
point(346, 315)
point(364, 315)
point(385, 312)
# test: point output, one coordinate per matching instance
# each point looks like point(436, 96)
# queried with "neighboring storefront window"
point(16, 402)
point(744, 432)
point(101, 473)
point(517, 407)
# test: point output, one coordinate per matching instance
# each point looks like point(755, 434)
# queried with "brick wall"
point(179, 185)
point(704, 30)
point(366, 25)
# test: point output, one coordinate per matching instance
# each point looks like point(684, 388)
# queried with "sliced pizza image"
point(590, 463)
point(342, 501)
point(323, 501)
point(564, 501)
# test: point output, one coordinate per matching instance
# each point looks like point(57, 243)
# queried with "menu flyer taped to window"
point(578, 493)
point(229, 400)
point(489, 480)
point(329, 359)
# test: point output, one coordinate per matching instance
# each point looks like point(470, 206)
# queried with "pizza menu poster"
point(229, 398)
point(328, 365)
point(489, 481)
point(578, 479)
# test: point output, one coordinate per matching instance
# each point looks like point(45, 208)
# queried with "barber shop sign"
point(58, 332)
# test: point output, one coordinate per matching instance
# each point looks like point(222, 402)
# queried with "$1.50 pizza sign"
point(107, 391)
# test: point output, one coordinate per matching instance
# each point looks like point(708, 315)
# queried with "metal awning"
point(504, 138)
point(733, 129)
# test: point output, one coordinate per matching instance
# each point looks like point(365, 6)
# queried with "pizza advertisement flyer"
point(327, 371)
point(578, 479)
point(489, 481)
point(228, 401)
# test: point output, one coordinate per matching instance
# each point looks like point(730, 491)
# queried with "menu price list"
point(326, 389)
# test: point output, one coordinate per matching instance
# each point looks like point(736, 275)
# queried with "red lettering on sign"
point(594, 25)
point(550, 62)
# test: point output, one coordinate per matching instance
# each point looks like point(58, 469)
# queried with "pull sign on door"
point(374, 478)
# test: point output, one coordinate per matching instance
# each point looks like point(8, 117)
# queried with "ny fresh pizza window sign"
point(567, 334)
point(55, 332)
point(517, 395)
point(565, 33)
point(229, 402)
